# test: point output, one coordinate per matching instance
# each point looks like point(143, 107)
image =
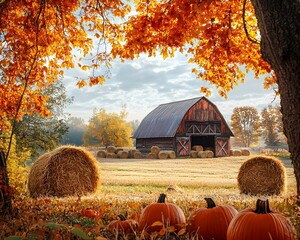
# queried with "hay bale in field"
point(202, 154)
point(155, 149)
point(111, 149)
point(118, 149)
point(151, 155)
point(245, 152)
point(111, 155)
point(197, 148)
point(262, 176)
point(194, 154)
point(231, 153)
point(236, 153)
point(171, 154)
point(101, 154)
point(209, 154)
point(65, 171)
point(138, 155)
point(122, 154)
point(163, 155)
point(131, 152)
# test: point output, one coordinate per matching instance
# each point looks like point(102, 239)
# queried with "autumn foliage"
point(41, 39)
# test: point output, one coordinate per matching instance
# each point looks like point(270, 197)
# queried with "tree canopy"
point(105, 129)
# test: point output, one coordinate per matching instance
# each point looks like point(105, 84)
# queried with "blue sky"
point(143, 84)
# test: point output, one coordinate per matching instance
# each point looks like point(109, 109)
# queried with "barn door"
point(222, 147)
point(183, 146)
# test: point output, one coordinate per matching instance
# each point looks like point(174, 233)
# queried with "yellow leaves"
point(96, 80)
point(81, 83)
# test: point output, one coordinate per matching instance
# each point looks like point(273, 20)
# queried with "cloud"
point(143, 84)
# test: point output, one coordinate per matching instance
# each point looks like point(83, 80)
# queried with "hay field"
point(216, 177)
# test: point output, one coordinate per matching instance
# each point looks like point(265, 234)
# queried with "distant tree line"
point(249, 127)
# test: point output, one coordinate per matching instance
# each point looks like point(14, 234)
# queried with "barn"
point(180, 125)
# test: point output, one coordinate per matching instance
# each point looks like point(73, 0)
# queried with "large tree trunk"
point(5, 195)
point(279, 24)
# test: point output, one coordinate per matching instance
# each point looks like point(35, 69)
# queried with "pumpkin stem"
point(162, 198)
point(210, 203)
point(122, 217)
point(262, 206)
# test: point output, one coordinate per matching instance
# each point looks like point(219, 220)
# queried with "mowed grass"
point(187, 182)
point(209, 176)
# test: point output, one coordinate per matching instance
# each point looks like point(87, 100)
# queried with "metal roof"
point(164, 120)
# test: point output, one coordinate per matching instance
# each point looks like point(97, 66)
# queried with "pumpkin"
point(260, 223)
point(211, 222)
point(157, 216)
point(90, 213)
point(123, 225)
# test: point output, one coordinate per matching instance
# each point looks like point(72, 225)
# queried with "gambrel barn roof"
point(164, 120)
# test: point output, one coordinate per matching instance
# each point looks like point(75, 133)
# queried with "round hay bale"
point(155, 149)
point(101, 154)
point(118, 149)
point(236, 153)
point(209, 154)
point(65, 171)
point(122, 154)
point(131, 152)
point(197, 148)
point(111, 149)
point(262, 176)
point(171, 154)
point(111, 155)
point(163, 155)
point(138, 155)
point(245, 152)
point(202, 154)
point(194, 154)
point(152, 155)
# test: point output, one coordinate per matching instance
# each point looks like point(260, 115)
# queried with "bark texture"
point(279, 24)
point(5, 195)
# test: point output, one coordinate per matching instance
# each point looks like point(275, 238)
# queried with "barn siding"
point(144, 144)
point(202, 111)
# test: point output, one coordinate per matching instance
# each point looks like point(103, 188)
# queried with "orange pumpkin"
point(260, 224)
point(123, 225)
point(160, 215)
point(90, 213)
point(211, 222)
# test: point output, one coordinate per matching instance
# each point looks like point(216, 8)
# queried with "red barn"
point(178, 126)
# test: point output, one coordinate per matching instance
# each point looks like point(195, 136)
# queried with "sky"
point(143, 84)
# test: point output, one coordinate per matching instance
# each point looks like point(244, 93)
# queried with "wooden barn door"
point(183, 146)
point(222, 147)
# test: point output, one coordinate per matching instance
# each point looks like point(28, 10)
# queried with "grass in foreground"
point(130, 185)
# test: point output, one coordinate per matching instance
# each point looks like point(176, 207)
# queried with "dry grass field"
point(128, 185)
point(216, 177)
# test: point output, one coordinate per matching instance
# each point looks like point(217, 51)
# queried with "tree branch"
point(253, 40)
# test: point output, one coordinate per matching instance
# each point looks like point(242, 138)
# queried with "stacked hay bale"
point(197, 148)
point(122, 154)
point(138, 155)
point(245, 152)
point(101, 154)
point(194, 154)
point(235, 153)
point(163, 155)
point(262, 176)
point(157, 153)
point(199, 151)
point(171, 154)
point(117, 152)
point(65, 171)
